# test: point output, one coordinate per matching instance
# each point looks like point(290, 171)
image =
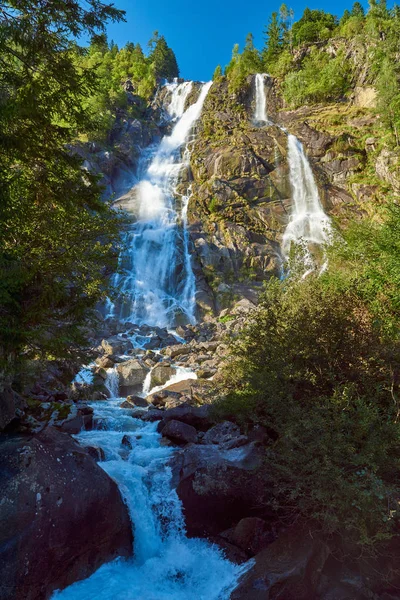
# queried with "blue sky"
point(202, 33)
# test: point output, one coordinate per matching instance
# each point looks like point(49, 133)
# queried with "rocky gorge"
point(221, 198)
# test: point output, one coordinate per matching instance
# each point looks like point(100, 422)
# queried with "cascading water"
point(179, 94)
point(260, 112)
point(166, 565)
point(156, 280)
point(308, 226)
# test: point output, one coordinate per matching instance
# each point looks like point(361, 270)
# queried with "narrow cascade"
point(166, 565)
point(179, 95)
point(156, 280)
point(260, 112)
point(309, 227)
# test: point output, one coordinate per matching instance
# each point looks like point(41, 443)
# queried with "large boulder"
point(61, 515)
point(116, 345)
point(217, 487)
point(289, 568)
point(132, 374)
point(11, 406)
point(179, 432)
point(161, 374)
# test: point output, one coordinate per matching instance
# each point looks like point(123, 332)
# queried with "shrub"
point(312, 368)
point(321, 78)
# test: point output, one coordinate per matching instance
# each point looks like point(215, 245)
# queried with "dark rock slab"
point(61, 515)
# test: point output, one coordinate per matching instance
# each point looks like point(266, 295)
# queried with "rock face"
point(61, 515)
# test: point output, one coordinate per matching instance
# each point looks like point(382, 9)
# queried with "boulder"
point(177, 350)
point(179, 432)
point(138, 401)
point(226, 434)
point(105, 362)
point(161, 374)
point(11, 406)
point(116, 345)
point(217, 487)
point(289, 568)
point(251, 535)
point(96, 452)
point(132, 374)
point(61, 515)
point(198, 417)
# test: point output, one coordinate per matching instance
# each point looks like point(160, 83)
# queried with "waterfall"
point(112, 382)
point(308, 226)
point(179, 95)
point(156, 280)
point(166, 565)
point(260, 112)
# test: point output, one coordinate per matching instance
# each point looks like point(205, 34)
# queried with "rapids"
point(166, 565)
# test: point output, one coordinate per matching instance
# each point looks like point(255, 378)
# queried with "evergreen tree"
point(273, 44)
point(162, 57)
point(345, 17)
point(217, 73)
point(55, 233)
point(357, 10)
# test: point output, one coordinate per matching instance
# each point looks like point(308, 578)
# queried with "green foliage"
point(242, 65)
point(313, 368)
point(274, 35)
point(314, 26)
point(357, 10)
point(56, 235)
point(162, 58)
point(217, 73)
point(321, 78)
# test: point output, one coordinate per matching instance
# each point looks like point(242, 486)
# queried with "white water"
point(260, 112)
point(179, 94)
point(166, 565)
point(308, 226)
point(156, 282)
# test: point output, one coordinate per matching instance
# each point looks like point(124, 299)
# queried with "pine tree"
point(357, 10)
point(273, 44)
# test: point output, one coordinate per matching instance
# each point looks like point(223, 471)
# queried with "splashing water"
point(260, 112)
point(156, 282)
point(308, 226)
point(166, 565)
point(112, 382)
point(179, 95)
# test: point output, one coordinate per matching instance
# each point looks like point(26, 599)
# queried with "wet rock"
point(138, 401)
point(153, 414)
point(61, 515)
point(288, 568)
point(132, 374)
point(179, 432)
point(126, 442)
point(96, 452)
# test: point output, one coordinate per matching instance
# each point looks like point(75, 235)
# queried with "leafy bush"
point(321, 78)
point(312, 367)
